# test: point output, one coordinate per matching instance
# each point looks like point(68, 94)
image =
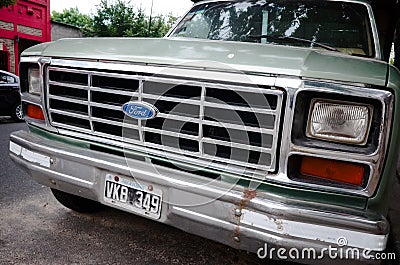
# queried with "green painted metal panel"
point(253, 57)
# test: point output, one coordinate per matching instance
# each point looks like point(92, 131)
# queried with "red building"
point(21, 26)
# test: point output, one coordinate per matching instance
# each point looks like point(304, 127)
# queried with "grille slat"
point(69, 99)
point(177, 117)
point(61, 84)
point(114, 91)
point(240, 118)
point(110, 99)
point(68, 92)
point(117, 83)
point(238, 127)
point(64, 123)
point(231, 125)
point(171, 90)
point(227, 161)
point(239, 108)
point(236, 145)
point(75, 78)
point(106, 106)
point(69, 114)
point(172, 99)
point(173, 126)
point(175, 108)
point(110, 114)
point(116, 123)
point(174, 134)
point(241, 100)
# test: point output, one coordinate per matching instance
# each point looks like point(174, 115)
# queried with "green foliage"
point(116, 19)
point(160, 25)
point(113, 20)
point(139, 27)
point(73, 17)
point(5, 3)
point(120, 19)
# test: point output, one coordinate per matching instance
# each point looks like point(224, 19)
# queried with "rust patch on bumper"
point(247, 196)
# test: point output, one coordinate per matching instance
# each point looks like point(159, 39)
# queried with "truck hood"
point(246, 57)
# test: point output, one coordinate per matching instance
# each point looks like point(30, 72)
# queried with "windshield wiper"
point(294, 39)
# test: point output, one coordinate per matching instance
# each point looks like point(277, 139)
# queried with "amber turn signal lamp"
point(332, 170)
point(34, 112)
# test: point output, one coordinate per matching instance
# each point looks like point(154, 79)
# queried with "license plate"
point(132, 196)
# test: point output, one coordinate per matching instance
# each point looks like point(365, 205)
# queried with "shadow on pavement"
point(7, 119)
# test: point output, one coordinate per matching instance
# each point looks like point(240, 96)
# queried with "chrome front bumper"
point(228, 214)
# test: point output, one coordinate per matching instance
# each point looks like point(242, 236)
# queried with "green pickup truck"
point(257, 124)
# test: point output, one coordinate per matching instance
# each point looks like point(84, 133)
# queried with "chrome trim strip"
point(252, 88)
point(184, 73)
point(43, 62)
point(30, 59)
point(140, 128)
point(201, 118)
point(374, 29)
point(89, 97)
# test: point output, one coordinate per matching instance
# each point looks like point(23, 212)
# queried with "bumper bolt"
point(238, 212)
point(150, 187)
point(52, 161)
point(236, 238)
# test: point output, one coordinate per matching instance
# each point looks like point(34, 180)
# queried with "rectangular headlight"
point(34, 81)
point(339, 122)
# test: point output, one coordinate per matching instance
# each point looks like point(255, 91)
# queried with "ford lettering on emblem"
point(139, 110)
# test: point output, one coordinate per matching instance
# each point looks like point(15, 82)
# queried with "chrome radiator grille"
point(225, 124)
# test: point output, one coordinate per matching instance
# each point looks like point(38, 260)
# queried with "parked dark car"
point(10, 99)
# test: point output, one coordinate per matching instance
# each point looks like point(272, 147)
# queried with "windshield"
point(345, 26)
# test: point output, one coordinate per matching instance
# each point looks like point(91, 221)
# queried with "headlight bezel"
point(371, 155)
point(38, 95)
point(300, 117)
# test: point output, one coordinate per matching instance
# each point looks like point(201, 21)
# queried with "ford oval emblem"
point(139, 110)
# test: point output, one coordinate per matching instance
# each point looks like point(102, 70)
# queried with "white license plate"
point(132, 196)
